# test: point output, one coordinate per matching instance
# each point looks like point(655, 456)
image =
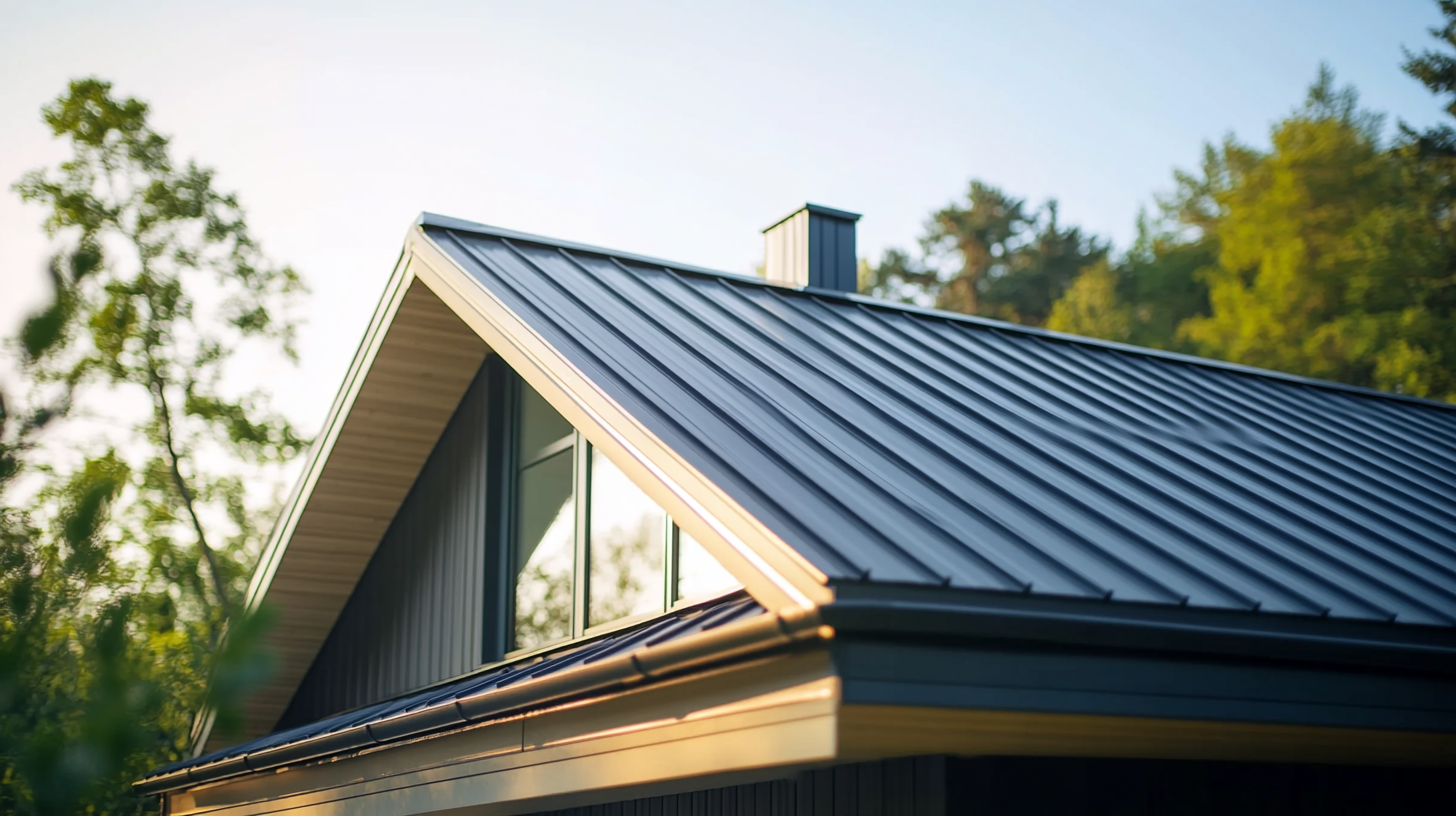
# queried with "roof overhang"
point(428, 337)
point(410, 371)
point(823, 698)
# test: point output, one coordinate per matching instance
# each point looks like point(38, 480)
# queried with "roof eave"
point(728, 644)
point(892, 610)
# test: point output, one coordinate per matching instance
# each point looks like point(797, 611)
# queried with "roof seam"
point(786, 415)
point(1259, 510)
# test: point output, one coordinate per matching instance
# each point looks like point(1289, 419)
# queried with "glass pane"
point(540, 424)
point(699, 575)
point(544, 552)
point(628, 536)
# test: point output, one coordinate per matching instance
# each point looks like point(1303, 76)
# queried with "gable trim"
point(413, 338)
point(775, 574)
point(318, 454)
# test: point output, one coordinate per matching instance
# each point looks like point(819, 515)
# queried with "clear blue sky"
point(674, 129)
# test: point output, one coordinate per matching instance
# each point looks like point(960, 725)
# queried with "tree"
point(1328, 258)
point(983, 235)
point(1039, 271)
point(1329, 254)
point(1143, 298)
point(1091, 307)
point(1429, 161)
point(1437, 71)
point(122, 568)
point(988, 256)
point(77, 706)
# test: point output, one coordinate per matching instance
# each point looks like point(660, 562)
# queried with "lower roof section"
point(767, 697)
point(706, 633)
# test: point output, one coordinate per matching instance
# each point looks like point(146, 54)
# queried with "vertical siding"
point(1012, 786)
point(1045, 786)
point(417, 613)
point(897, 787)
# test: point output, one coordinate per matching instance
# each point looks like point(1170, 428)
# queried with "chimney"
point(812, 247)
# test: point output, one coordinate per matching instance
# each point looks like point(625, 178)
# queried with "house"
point(592, 532)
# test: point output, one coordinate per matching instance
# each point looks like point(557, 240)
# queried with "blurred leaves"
point(988, 255)
point(123, 562)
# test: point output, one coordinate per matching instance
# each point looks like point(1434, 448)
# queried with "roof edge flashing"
point(1007, 616)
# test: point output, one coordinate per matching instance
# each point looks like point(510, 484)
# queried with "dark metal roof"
point(659, 647)
point(901, 445)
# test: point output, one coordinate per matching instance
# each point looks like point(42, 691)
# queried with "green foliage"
point(988, 256)
point(158, 282)
point(122, 559)
point(1330, 254)
point(1328, 257)
point(1437, 71)
point(1091, 307)
point(1143, 298)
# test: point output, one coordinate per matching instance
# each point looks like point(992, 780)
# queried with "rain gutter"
point(734, 642)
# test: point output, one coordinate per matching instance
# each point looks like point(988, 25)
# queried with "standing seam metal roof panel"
point(890, 444)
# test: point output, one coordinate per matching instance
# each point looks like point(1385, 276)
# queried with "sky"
point(673, 129)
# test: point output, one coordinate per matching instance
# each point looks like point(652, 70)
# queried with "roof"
point(882, 469)
point(659, 647)
point(895, 445)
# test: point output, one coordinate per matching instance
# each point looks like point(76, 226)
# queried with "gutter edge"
point(729, 643)
point(1107, 629)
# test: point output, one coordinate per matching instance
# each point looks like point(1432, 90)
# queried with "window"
point(543, 551)
point(625, 546)
point(699, 575)
point(589, 547)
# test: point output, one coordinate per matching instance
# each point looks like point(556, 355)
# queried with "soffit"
point(405, 383)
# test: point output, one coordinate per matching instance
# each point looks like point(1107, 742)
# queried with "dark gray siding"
point(1033, 786)
point(416, 616)
point(898, 787)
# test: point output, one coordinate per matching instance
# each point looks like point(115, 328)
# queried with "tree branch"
point(164, 418)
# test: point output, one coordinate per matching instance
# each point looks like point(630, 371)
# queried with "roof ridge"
point(429, 219)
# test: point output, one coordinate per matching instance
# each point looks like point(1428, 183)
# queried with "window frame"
point(505, 437)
